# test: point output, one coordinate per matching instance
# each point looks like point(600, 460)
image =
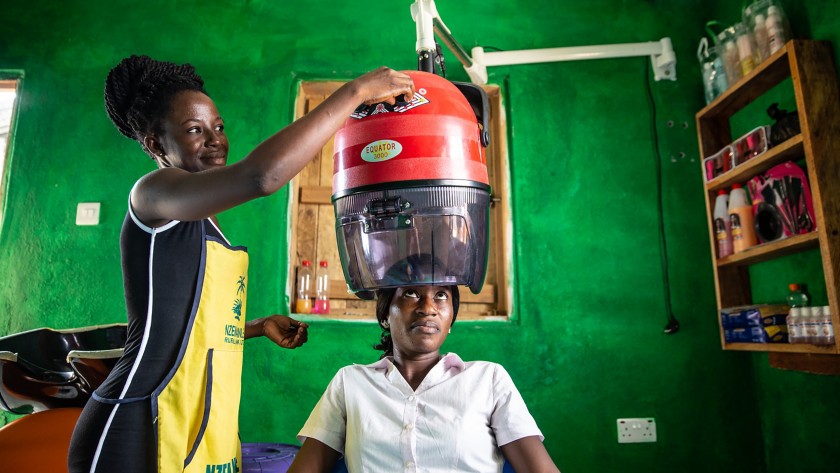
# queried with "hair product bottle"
point(322, 287)
point(797, 300)
point(303, 305)
point(723, 232)
point(741, 220)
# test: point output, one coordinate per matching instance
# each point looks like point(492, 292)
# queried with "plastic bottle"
point(723, 232)
point(303, 305)
point(812, 321)
point(797, 297)
point(713, 72)
point(707, 65)
point(746, 48)
point(741, 220)
point(794, 324)
point(322, 285)
point(775, 25)
point(760, 34)
point(729, 53)
point(721, 82)
point(797, 318)
point(826, 326)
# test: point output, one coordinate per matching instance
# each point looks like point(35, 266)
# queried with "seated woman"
point(415, 410)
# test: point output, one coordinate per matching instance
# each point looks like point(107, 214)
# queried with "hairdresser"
point(171, 403)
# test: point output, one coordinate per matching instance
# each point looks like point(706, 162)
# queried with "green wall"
point(587, 346)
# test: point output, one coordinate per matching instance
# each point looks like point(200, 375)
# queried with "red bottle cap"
point(323, 264)
point(306, 262)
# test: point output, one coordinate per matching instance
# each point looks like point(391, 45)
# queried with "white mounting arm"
point(428, 22)
point(661, 56)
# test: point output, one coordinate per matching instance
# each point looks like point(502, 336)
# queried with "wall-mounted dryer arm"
point(661, 55)
point(425, 15)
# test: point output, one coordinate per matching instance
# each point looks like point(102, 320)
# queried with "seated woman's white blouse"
point(455, 421)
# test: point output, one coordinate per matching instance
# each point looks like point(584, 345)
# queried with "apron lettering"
point(234, 331)
point(235, 335)
point(229, 467)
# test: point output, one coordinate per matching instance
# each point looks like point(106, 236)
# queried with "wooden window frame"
point(312, 222)
point(8, 82)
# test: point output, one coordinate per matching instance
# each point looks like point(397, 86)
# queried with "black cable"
point(439, 60)
point(673, 325)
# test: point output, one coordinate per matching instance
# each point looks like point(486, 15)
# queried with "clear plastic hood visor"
point(429, 235)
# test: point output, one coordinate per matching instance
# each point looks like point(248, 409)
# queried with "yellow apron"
point(197, 410)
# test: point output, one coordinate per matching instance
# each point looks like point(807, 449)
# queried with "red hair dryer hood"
point(410, 189)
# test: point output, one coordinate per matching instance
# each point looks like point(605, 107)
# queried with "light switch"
point(87, 213)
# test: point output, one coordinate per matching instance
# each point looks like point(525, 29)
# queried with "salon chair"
point(49, 375)
point(45, 369)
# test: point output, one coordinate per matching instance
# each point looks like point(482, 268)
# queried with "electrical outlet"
point(636, 430)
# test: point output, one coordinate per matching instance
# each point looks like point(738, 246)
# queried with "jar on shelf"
point(728, 50)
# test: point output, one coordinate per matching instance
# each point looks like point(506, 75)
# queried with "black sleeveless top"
point(160, 270)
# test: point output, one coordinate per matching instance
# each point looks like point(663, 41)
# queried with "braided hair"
point(383, 306)
point(138, 92)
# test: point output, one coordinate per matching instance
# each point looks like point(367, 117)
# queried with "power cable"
point(673, 325)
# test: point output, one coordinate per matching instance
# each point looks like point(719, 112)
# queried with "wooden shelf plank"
point(780, 347)
point(339, 290)
point(771, 250)
point(808, 362)
point(789, 150)
point(320, 195)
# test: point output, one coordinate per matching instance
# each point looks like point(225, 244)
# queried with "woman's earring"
point(450, 330)
point(386, 325)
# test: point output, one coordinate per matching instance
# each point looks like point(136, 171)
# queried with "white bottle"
point(746, 48)
point(794, 323)
point(723, 232)
point(826, 327)
point(731, 62)
point(775, 29)
point(741, 219)
point(760, 34)
point(813, 318)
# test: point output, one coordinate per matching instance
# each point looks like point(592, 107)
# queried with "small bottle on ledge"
point(303, 305)
point(797, 319)
point(322, 285)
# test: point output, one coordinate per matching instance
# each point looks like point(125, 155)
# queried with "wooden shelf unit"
point(810, 66)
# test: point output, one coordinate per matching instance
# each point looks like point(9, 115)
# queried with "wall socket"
point(636, 430)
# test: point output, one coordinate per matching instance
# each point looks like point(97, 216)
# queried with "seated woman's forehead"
point(426, 288)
